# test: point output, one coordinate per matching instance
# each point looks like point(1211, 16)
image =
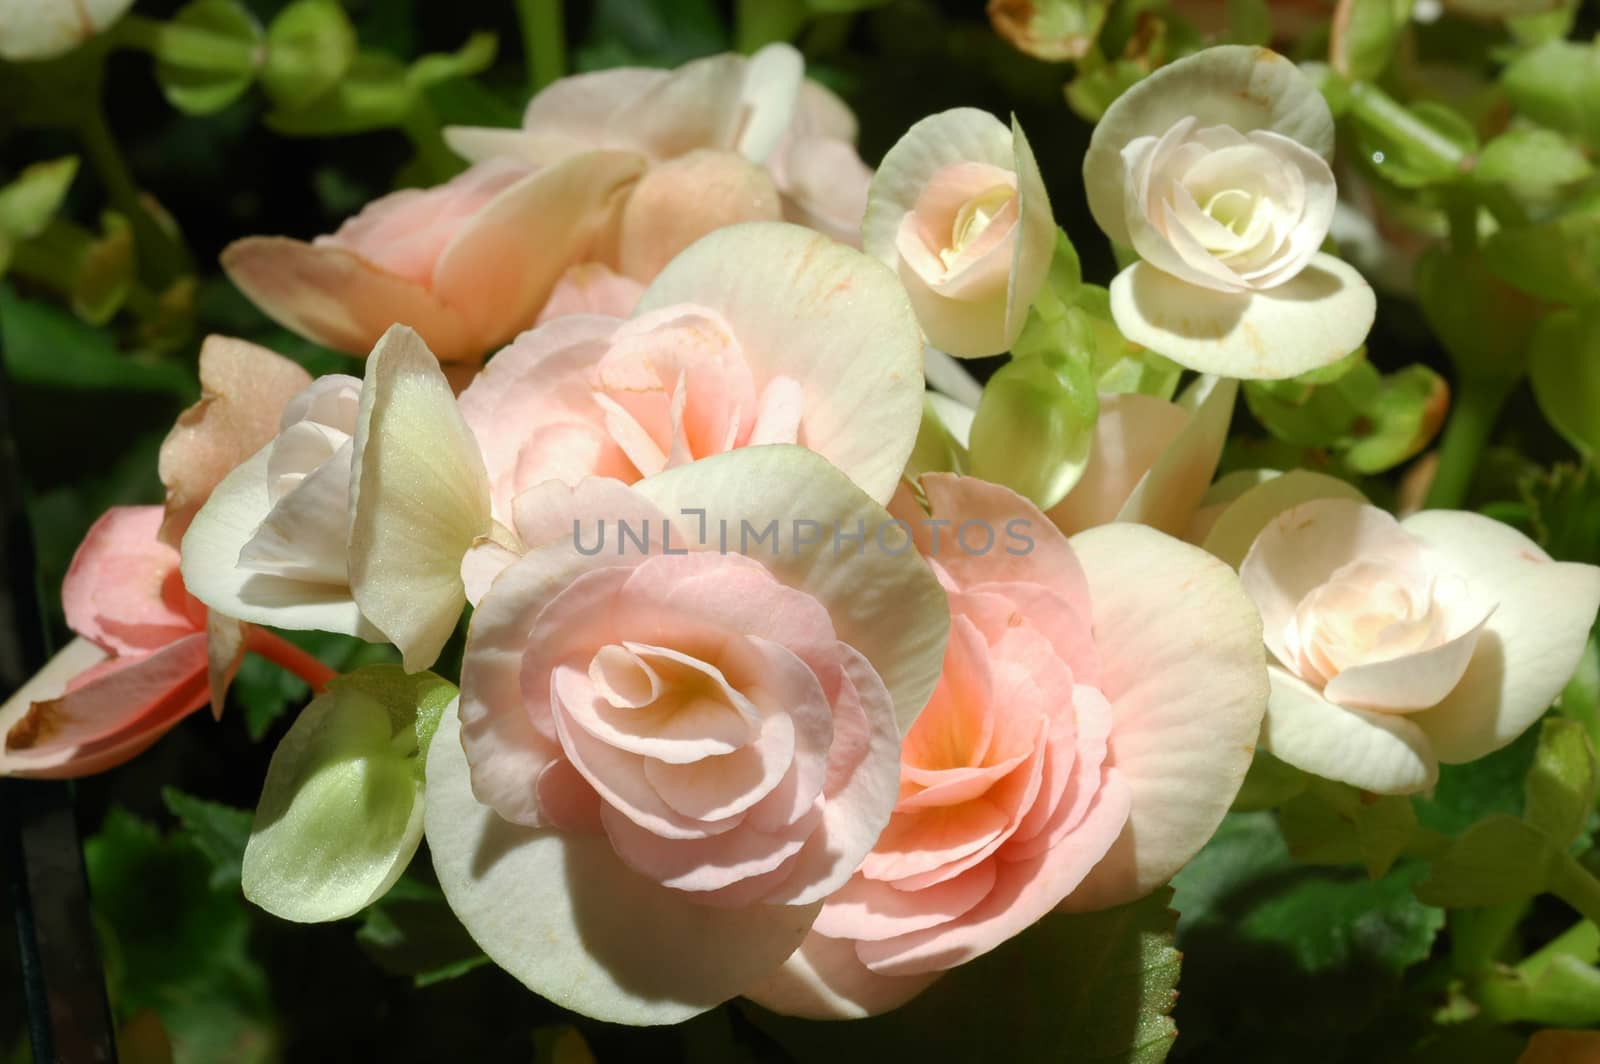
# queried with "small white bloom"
point(1400, 645)
point(44, 29)
point(1215, 170)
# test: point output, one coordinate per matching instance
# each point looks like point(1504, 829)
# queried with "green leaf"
point(1564, 511)
point(206, 83)
point(1483, 323)
point(1399, 422)
point(1249, 22)
point(45, 346)
point(1467, 793)
point(1120, 365)
point(1564, 368)
point(311, 46)
point(219, 831)
point(34, 197)
point(1557, 84)
point(1557, 260)
point(413, 932)
point(1364, 36)
point(1269, 783)
point(1580, 699)
point(1333, 824)
point(1532, 162)
point(1326, 919)
point(1406, 163)
point(1498, 860)
point(106, 273)
point(176, 943)
point(1561, 783)
point(340, 814)
point(1081, 987)
point(1035, 421)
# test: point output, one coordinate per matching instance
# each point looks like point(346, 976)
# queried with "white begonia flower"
point(1215, 169)
point(355, 518)
point(958, 209)
point(1403, 644)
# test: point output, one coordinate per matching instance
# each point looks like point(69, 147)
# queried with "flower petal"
point(1167, 496)
point(335, 297)
point(211, 572)
point(825, 980)
point(1312, 321)
point(1530, 645)
point(679, 201)
point(1378, 752)
point(1185, 675)
point(419, 497)
point(243, 390)
point(826, 316)
point(568, 919)
point(887, 606)
point(1242, 521)
point(486, 274)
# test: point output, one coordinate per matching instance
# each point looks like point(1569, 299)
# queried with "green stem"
point(1381, 113)
point(186, 46)
point(1573, 884)
point(161, 258)
point(544, 41)
point(757, 23)
point(1472, 416)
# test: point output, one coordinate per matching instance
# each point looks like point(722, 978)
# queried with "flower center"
point(975, 216)
point(1232, 208)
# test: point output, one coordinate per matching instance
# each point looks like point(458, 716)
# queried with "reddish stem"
point(283, 653)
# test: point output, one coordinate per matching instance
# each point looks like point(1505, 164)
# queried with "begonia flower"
point(1089, 731)
point(356, 516)
point(673, 742)
point(761, 333)
point(1399, 645)
point(147, 654)
point(959, 210)
point(467, 264)
point(1215, 170)
point(44, 29)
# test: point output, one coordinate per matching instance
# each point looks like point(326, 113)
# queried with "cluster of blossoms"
point(692, 765)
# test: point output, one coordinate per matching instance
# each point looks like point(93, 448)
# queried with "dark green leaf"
point(1561, 783)
point(219, 831)
point(1498, 860)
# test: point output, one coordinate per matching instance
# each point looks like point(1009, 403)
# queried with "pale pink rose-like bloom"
point(667, 756)
point(758, 110)
point(1399, 645)
point(592, 288)
point(467, 264)
point(1087, 735)
point(147, 654)
point(243, 390)
point(758, 334)
point(958, 208)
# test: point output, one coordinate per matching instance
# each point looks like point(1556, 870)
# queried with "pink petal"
point(122, 589)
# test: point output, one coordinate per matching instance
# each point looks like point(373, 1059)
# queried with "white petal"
point(1166, 497)
point(418, 500)
point(1310, 322)
point(211, 571)
point(1242, 521)
point(769, 97)
point(1377, 752)
point(1530, 645)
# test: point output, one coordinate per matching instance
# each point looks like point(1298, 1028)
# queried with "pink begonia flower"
point(354, 518)
point(1089, 731)
point(147, 654)
point(959, 210)
point(243, 390)
point(760, 333)
point(666, 757)
point(467, 264)
point(1215, 169)
point(1399, 645)
point(758, 109)
point(1152, 460)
